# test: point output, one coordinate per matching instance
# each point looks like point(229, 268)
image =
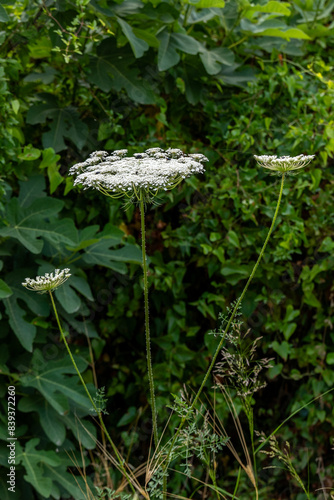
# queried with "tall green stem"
point(236, 307)
point(119, 458)
point(213, 361)
point(147, 323)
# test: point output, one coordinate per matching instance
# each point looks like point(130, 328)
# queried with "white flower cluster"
point(115, 174)
point(284, 163)
point(48, 282)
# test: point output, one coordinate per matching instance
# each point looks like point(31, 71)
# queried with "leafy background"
point(226, 79)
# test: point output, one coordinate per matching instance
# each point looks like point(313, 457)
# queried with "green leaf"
point(54, 177)
point(28, 225)
point(75, 488)
point(231, 268)
point(167, 55)
point(208, 4)
point(291, 313)
point(50, 421)
point(149, 38)
point(24, 331)
point(41, 48)
point(272, 7)
point(311, 300)
point(233, 239)
point(62, 231)
point(65, 124)
point(273, 28)
point(327, 245)
point(50, 161)
point(186, 43)
point(82, 286)
point(84, 431)
point(30, 190)
point(330, 358)
point(232, 76)
point(100, 254)
point(110, 72)
point(287, 35)
point(29, 153)
point(283, 349)
point(193, 88)
point(182, 353)
point(31, 458)
point(288, 329)
point(275, 370)
point(169, 42)
point(128, 417)
point(4, 18)
point(5, 290)
point(50, 158)
point(87, 237)
point(113, 233)
point(68, 298)
point(55, 425)
point(51, 381)
point(213, 60)
point(138, 46)
point(316, 176)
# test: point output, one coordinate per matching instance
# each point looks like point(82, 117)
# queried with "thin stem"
point(259, 448)
point(213, 361)
point(147, 324)
point(212, 474)
point(90, 397)
point(236, 307)
point(250, 417)
point(237, 483)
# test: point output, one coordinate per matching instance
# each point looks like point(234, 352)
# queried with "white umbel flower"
point(284, 163)
point(145, 173)
point(48, 282)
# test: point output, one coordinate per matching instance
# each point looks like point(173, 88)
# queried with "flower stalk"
point(147, 323)
point(98, 412)
point(226, 330)
point(238, 302)
point(138, 178)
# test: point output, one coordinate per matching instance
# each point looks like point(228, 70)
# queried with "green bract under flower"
point(142, 174)
point(48, 282)
point(284, 163)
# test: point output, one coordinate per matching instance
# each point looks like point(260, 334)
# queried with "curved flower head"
point(48, 282)
point(284, 163)
point(143, 174)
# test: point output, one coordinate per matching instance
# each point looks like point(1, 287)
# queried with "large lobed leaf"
point(111, 72)
point(28, 225)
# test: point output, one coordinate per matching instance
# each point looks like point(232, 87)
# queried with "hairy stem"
point(147, 324)
point(235, 309)
point(119, 458)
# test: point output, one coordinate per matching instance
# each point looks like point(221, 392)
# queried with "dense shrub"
point(227, 80)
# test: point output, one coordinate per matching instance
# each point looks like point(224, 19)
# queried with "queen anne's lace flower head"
point(284, 163)
point(48, 282)
point(116, 175)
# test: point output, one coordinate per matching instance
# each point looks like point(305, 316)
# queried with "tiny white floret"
point(48, 282)
point(284, 163)
point(142, 174)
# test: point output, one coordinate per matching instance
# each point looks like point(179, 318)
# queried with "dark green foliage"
point(225, 79)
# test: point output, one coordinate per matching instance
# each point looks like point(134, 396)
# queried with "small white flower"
point(284, 163)
point(144, 173)
point(48, 282)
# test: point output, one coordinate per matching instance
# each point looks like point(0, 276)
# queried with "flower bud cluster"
point(117, 175)
point(48, 282)
point(284, 163)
